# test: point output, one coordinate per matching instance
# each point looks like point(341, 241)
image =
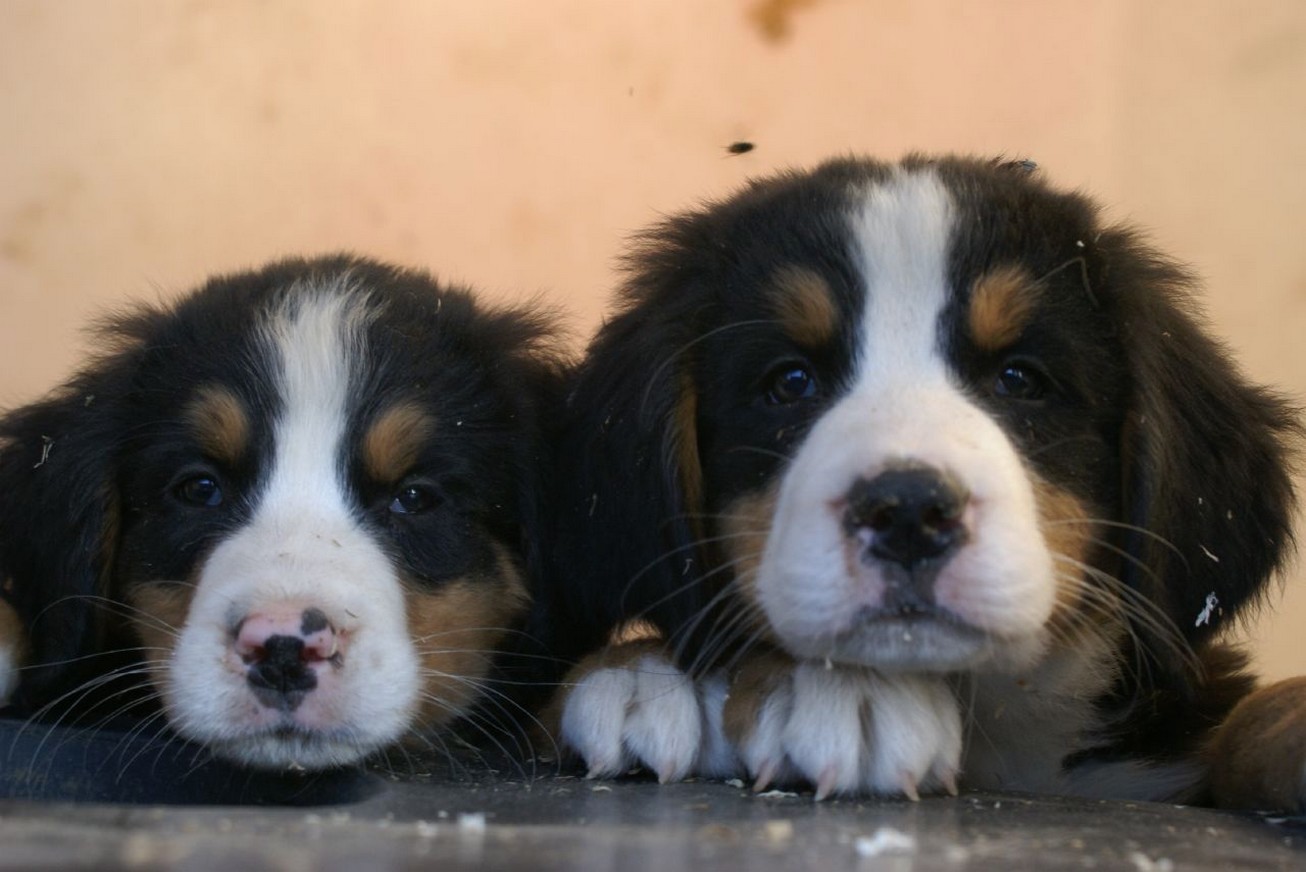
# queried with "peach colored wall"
point(515, 144)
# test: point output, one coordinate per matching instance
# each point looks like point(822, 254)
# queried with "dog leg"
point(1258, 757)
point(844, 729)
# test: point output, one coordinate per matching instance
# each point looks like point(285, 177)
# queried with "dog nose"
point(906, 516)
point(284, 648)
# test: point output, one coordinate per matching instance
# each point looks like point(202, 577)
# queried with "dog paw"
point(1258, 757)
point(843, 729)
point(629, 705)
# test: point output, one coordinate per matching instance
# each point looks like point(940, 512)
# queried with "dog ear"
point(627, 471)
point(58, 524)
point(1207, 461)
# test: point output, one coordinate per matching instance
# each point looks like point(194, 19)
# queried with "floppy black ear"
point(1207, 459)
point(58, 523)
point(624, 541)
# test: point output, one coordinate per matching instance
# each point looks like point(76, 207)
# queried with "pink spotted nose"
point(284, 650)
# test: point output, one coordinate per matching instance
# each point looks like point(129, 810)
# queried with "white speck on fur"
point(46, 444)
point(1207, 552)
point(1212, 603)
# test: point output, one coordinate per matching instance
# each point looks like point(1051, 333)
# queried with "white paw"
point(643, 712)
point(846, 729)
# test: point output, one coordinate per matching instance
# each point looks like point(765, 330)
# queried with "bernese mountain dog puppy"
point(297, 508)
point(922, 476)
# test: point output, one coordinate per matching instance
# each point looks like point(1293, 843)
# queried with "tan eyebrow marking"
point(220, 423)
point(393, 443)
point(804, 303)
point(1001, 306)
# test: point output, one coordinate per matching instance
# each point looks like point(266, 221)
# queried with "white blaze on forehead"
point(901, 234)
point(315, 337)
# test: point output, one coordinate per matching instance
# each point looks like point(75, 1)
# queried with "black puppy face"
point(308, 485)
point(927, 416)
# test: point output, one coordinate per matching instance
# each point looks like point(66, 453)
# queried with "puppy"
point(297, 506)
point(922, 476)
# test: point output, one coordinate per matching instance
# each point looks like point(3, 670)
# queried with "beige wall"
point(515, 144)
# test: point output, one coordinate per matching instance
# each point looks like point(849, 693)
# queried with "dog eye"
point(790, 384)
point(201, 490)
point(1020, 381)
point(413, 500)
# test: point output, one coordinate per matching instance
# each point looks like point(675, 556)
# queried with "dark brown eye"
point(789, 384)
point(200, 490)
point(413, 500)
point(1019, 381)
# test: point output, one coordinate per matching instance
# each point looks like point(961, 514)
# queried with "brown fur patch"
point(635, 630)
point(684, 441)
point(12, 635)
point(804, 305)
point(220, 423)
point(456, 630)
point(745, 526)
point(1258, 757)
point(1001, 305)
point(750, 687)
point(1068, 533)
point(394, 442)
point(162, 610)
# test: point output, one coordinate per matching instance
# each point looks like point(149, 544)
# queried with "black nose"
point(281, 676)
point(906, 516)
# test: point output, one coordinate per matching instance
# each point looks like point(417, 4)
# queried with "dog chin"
point(917, 644)
point(289, 748)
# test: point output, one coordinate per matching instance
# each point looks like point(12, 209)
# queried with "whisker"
point(671, 358)
point(1133, 528)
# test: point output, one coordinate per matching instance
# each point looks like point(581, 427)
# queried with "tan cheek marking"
point(393, 444)
point(1069, 534)
point(804, 305)
point(745, 526)
point(219, 421)
point(12, 634)
point(684, 434)
point(163, 611)
point(750, 687)
point(456, 630)
point(1001, 306)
